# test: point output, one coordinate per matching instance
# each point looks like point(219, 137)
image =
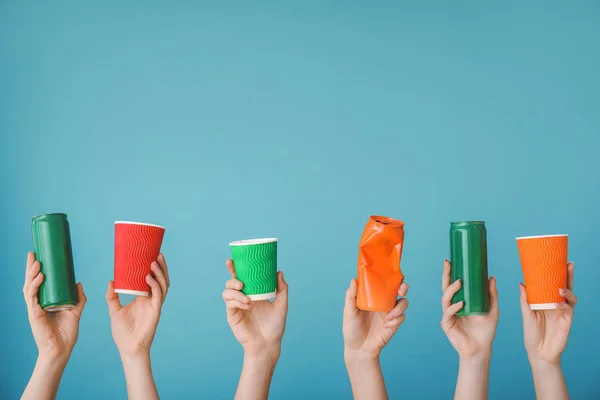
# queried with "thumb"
point(525, 310)
point(350, 306)
point(493, 290)
point(281, 299)
point(82, 298)
point(112, 299)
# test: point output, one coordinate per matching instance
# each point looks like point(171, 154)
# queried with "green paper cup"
point(256, 267)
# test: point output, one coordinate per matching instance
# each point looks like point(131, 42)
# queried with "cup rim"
point(248, 242)
point(139, 223)
point(542, 236)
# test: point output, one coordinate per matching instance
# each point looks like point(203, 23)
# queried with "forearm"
point(473, 378)
point(138, 375)
point(548, 381)
point(366, 377)
point(44, 382)
point(257, 372)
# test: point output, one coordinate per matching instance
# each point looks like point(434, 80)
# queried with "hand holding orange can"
point(379, 274)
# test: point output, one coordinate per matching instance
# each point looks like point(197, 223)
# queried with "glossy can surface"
point(379, 253)
point(52, 247)
point(468, 253)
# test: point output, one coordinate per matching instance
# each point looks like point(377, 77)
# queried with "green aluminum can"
point(52, 246)
point(468, 253)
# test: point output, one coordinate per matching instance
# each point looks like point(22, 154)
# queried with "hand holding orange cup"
point(379, 274)
point(544, 263)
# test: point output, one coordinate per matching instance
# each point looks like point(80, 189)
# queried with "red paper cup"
point(137, 246)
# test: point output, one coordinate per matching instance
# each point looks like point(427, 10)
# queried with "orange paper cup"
point(544, 263)
point(379, 275)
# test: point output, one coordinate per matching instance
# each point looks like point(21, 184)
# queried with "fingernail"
point(562, 291)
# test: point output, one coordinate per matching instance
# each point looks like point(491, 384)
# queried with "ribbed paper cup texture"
point(379, 253)
point(137, 246)
point(256, 266)
point(544, 263)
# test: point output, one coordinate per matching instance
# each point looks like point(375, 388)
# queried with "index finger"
point(403, 290)
point(446, 275)
point(30, 261)
point(570, 273)
point(162, 263)
point(230, 267)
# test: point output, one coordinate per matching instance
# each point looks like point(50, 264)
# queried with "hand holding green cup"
point(256, 267)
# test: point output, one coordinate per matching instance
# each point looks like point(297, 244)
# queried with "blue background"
point(234, 120)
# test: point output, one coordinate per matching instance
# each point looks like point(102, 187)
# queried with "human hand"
point(257, 325)
point(546, 331)
point(471, 336)
point(134, 326)
point(55, 333)
point(367, 332)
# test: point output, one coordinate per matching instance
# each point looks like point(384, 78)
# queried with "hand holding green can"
point(468, 252)
point(256, 267)
point(52, 247)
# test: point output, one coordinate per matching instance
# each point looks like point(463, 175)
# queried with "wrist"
point(352, 356)
point(135, 358)
point(267, 355)
point(541, 364)
point(480, 358)
point(53, 361)
point(54, 354)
